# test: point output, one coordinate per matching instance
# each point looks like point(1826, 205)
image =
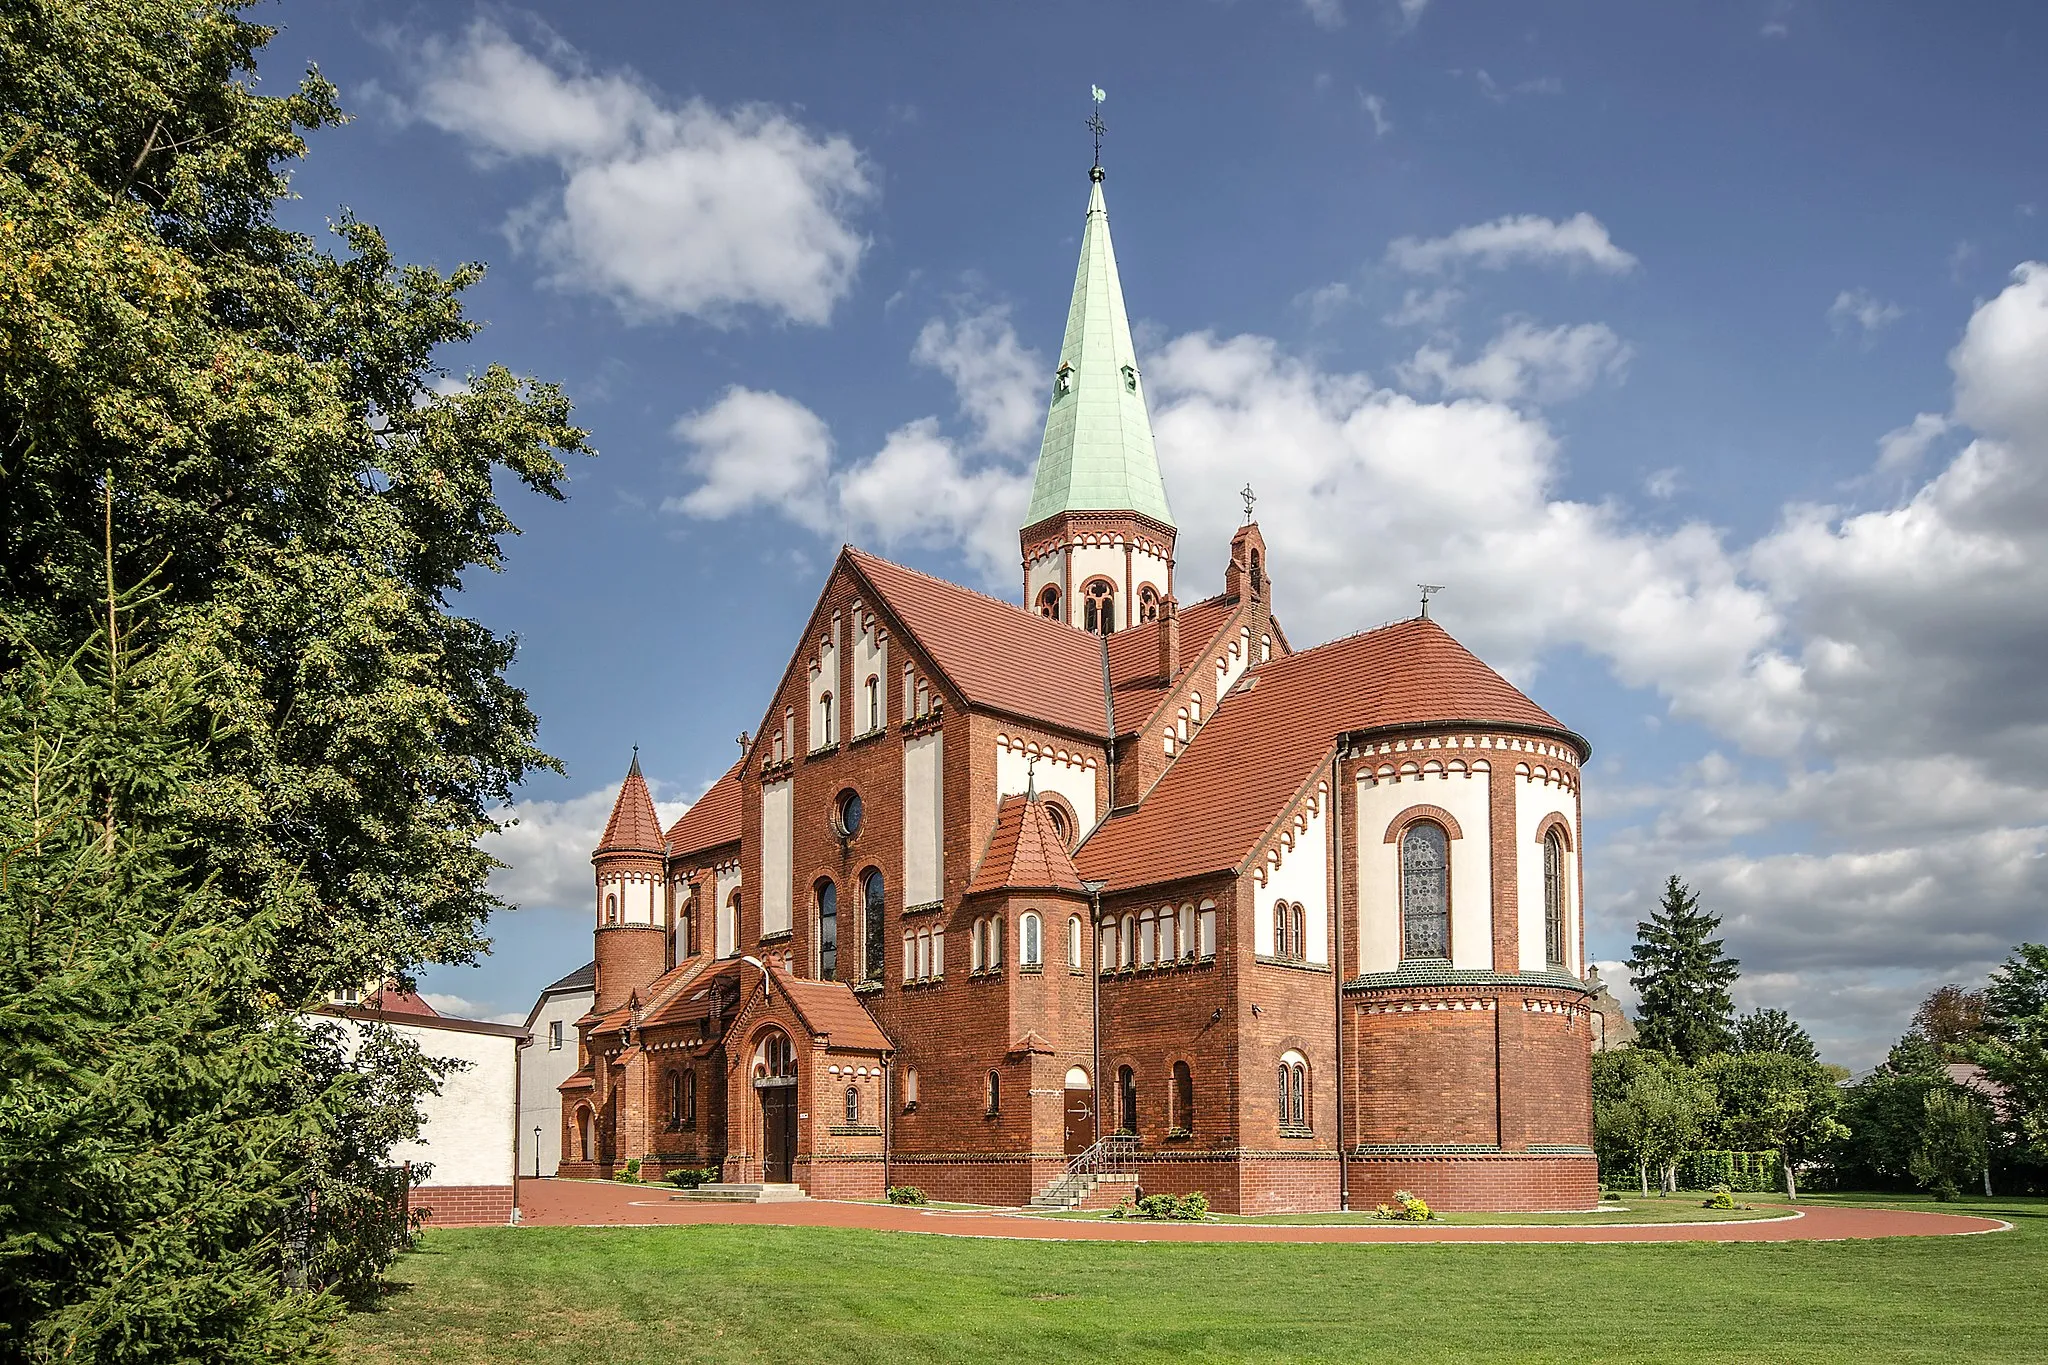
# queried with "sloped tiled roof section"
point(1025, 853)
point(582, 979)
point(634, 827)
point(830, 1008)
point(998, 655)
point(712, 820)
point(1134, 653)
point(391, 1000)
point(1208, 813)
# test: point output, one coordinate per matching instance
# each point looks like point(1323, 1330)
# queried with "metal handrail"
point(1105, 1156)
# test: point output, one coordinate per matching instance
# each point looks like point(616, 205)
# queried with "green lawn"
point(626, 1295)
point(1683, 1208)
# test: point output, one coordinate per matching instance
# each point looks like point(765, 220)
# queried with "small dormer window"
point(1130, 379)
point(1063, 381)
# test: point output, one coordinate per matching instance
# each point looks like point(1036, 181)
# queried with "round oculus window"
point(847, 814)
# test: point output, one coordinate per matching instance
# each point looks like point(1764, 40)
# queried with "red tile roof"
point(634, 827)
point(1218, 799)
point(1134, 653)
point(392, 1000)
point(713, 819)
point(830, 1009)
point(997, 654)
point(1025, 853)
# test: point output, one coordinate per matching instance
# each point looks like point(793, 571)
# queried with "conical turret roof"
point(634, 827)
point(1097, 453)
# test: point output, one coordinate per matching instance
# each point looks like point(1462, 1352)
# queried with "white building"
point(468, 1143)
point(548, 1061)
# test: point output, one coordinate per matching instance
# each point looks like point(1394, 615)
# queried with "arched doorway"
point(774, 1074)
point(1080, 1111)
point(583, 1135)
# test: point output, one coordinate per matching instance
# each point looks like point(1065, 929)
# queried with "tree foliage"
point(1763, 1030)
point(2016, 1056)
point(287, 462)
point(1952, 1019)
point(1648, 1110)
point(1682, 979)
point(1954, 1146)
point(1769, 1100)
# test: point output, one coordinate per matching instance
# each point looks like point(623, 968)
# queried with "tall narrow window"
point(1030, 940)
point(852, 1105)
point(1099, 611)
point(675, 1100)
point(554, 1035)
point(1126, 1100)
point(910, 1088)
point(995, 943)
point(909, 955)
point(873, 912)
point(1127, 947)
point(1145, 922)
point(995, 1093)
point(1073, 943)
point(825, 735)
point(1293, 1090)
point(1183, 1097)
point(1206, 931)
point(690, 1099)
point(874, 694)
point(1148, 603)
point(1049, 602)
point(1553, 899)
point(1280, 930)
point(977, 946)
point(611, 909)
point(828, 931)
point(1297, 923)
point(1425, 891)
point(1187, 930)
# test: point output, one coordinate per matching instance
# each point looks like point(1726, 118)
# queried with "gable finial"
point(1249, 498)
point(1097, 127)
point(1031, 778)
point(1429, 590)
point(634, 771)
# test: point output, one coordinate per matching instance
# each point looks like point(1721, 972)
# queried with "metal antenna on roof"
point(1097, 127)
point(1429, 590)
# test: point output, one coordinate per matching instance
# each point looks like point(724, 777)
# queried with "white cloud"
point(1425, 307)
point(752, 449)
point(1523, 362)
point(1663, 484)
point(1580, 240)
point(462, 1007)
point(1002, 384)
point(1325, 14)
point(1501, 94)
point(1900, 449)
point(1326, 301)
point(546, 847)
point(1376, 108)
point(667, 209)
point(1408, 13)
point(1862, 312)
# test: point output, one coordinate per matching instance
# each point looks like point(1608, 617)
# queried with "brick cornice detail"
point(1423, 812)
point(1554, 821)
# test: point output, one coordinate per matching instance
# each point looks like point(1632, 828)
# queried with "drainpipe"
point(888, 1115)
point(1094, 890)
point(1337, 965)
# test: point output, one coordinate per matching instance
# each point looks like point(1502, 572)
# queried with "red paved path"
point(581, 1203)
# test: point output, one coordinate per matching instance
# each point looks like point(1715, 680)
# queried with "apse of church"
point(1003, 893)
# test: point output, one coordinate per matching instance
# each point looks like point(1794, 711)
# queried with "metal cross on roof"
point(1249, 498)
point(1095, 123)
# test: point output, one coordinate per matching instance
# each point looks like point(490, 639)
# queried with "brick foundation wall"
point(464, 1206)
point(841, 1177)
point(1505, 1181)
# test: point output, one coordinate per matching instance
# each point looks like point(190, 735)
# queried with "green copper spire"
point(1097, 453)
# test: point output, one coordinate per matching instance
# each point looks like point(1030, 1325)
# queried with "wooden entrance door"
point(778, 1133)
point(1080, 1119)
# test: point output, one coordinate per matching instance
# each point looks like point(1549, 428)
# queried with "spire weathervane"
point(1429, 590)
point(1249, 498)
point(1097, 127)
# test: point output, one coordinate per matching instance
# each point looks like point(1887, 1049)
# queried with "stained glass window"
point(1425, 892)
point(1553, 899)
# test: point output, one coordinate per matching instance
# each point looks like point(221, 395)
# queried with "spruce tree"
point(1682, 979)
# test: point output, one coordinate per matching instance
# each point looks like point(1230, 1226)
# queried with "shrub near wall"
point(1743, 1172)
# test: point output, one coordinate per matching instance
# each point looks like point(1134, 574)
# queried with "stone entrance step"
point(1084, 1192)
point(741, 1194)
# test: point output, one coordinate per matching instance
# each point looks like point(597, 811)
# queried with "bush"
point(1184, 1208)
point(906, 1194)
point(630, 1175)
point(1743, 1172)
point(690, 1177)
point(1406, 1208)
point(1721, 1198)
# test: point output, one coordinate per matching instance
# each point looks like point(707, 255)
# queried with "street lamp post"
point(1095, 890)
point(536, 1151)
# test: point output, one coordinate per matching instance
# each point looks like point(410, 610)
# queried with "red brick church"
point(1104, 882)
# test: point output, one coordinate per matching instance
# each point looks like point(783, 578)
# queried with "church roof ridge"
point(1097, 452)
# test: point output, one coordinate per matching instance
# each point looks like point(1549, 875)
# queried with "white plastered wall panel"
point(777, 854)
point(870, 660)
point(924, 804)
point(1049, 570)
point(1382, 794)
point(1147, 567)
point(1100, 561)
point(1058, 769)
point(1543, 790)
point(1231, 664)
point(541, 1070)
point(468, 1134)
point(637, 893)
point(726, 937)
point(1296, 867)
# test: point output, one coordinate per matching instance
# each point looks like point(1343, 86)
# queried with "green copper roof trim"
point(1432, 973)
point(1097, 454)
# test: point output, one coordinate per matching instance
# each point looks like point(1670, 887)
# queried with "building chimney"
point(1169, 638)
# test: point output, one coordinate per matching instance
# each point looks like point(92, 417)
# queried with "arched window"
point(1126, 1100)
point(1425, 891)
point(1169, 946)
point(1148, 603)
point(583, 1133)
point(673, 1084)
point(1297, 920)
point(928, 965)
point(1293, 1090)
point(852, 1104)
point(1258, 574)
point(729, 931)
point(1145, 923)
point(874, 911)
point(1183, 1116)
point(1030, 940)
point(910, 1088)
point(1049, 602)
point(874, 697)
point(1127, 945)
point(774, 1057)
point(825, 735)
point(611, 909)
point(1280, 927)
point(977, 947)
point(995, 1093)
point(909, 955)
point(689, 1099)
point(1553, 899)
point(1187, 930)
point(995, 943)
point(1099, 612)
point(1074, 943)
point(1062, 823)
point(828, 930)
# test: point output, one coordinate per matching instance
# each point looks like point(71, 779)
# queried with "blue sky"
point(1694, 346)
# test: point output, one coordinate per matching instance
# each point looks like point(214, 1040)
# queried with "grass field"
point(1683, 1208)
point(628, 1295)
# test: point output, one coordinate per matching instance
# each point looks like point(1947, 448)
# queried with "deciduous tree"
point(1764, 1030)
point(1771, 1101)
